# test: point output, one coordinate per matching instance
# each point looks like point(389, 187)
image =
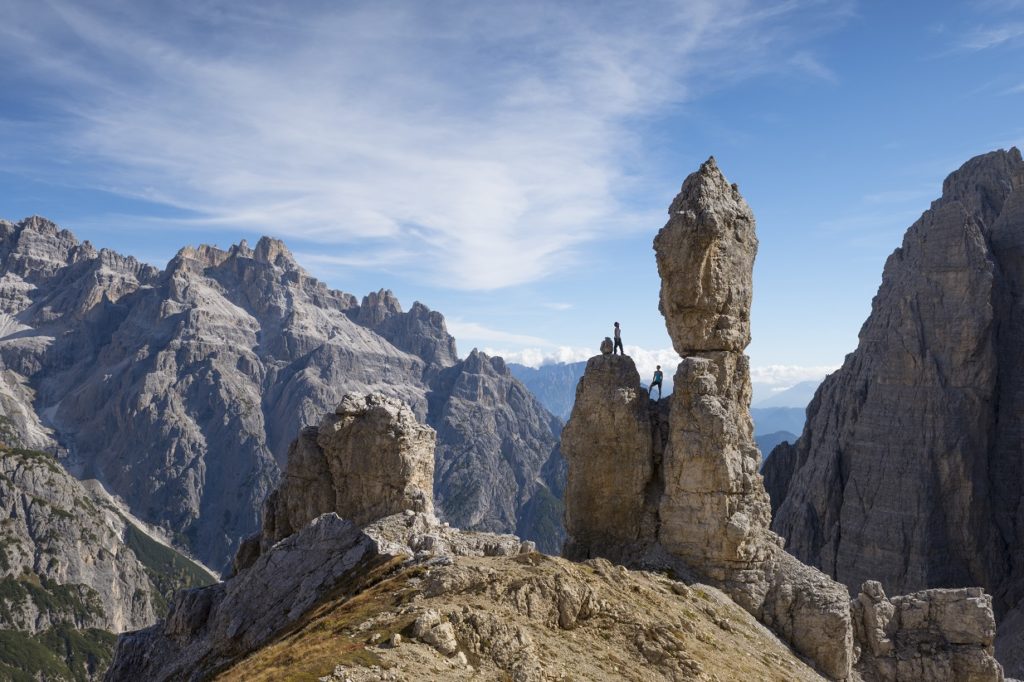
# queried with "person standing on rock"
point(657, 381)
point(618, 340)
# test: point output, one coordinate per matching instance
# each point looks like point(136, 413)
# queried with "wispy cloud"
point(1015, 90)
point(985, 37)
point(812, 66)
point(557, 306)
point(785, 376)
point(488, 139)
point(474, 333)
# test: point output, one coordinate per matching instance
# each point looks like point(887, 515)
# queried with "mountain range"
point(181, 388)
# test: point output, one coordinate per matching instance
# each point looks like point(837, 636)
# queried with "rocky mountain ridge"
point(909, 467)
point(406, 598)
point(670, 485)
point(207, 369)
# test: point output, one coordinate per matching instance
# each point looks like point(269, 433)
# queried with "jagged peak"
point(477, 361)
point(38, 223)
point(274, 252)
point(204, 255)
point(708, 189)
point(384, 300)
point(983, 183)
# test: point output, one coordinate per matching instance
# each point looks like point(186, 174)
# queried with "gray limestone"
point(908, 471)
point(205, 372)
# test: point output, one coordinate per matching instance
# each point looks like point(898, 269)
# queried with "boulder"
point(368, 459)
point(939, 634)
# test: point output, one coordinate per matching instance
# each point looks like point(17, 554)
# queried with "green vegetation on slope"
point(76, 603)
point(169, 570)
point(60, 653)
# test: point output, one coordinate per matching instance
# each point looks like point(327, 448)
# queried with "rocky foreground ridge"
point(208, 368)
point(404, 597)
point(909, 469)
point(671, 486)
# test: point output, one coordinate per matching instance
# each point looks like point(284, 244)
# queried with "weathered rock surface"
point(929, 635)
point(705, 258)
point(709, 510)
point(447, 614)
point(908, 469)
point(368, 459)
point(74, 568)
point(57, 537)
point(498, 466)
point(608, 444)
point(371, 460)
point(208, 369)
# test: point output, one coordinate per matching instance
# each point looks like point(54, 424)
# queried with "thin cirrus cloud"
point(987, 37)
point(453, 128)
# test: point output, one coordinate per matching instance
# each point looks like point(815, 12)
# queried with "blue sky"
point(509, 163)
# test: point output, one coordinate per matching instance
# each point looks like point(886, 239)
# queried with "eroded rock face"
point(711, 512)
point(608, 444)
point(908, 471)
point(498, 466)
point(705, 258)
point(715, 511)
point(368, 459)
point(930, 635)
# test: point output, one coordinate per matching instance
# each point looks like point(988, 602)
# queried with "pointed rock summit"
point(679, 487)
point(705, 258)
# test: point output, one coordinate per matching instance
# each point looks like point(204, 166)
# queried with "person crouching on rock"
point(657, 381)
point(618, 340)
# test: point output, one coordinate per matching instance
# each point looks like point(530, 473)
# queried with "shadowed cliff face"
point(680, 489)
point(181, 389)
point(909, 468)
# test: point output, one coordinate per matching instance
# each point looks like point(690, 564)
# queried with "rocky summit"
point(682, 484)
point(908, 470)
point(207, 369)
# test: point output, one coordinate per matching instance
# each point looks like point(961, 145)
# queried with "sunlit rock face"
point(182, 389)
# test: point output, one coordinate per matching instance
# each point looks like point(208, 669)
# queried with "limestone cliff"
point(207, 370)
point(908, 471)
point(692, 499)
point(368, 459)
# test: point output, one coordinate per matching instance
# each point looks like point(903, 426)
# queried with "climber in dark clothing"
point(618, 340)
point(657, 381)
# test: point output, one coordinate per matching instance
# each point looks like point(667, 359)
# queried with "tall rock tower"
point(715, 511)
point(677, 485)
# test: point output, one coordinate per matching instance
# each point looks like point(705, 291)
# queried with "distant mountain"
point(771, 419)
point(553, 384)
point(180, 389)
point(795, 396)
point(766, 442)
